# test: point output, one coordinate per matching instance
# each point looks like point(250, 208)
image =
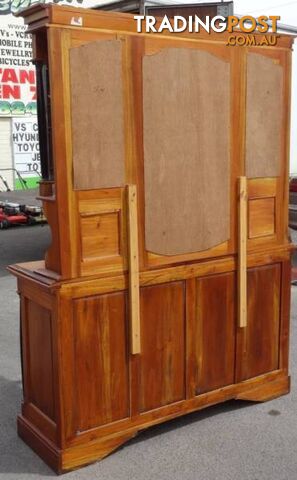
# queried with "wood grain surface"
point(258, 344)
point(133, 265)
point(100, 342)
point(186, 108)
point(214, 336)
point(40, 360)
point(261, 217)
point(242, 253)
point(97, 114)
point(100, 235)
point(162, 362)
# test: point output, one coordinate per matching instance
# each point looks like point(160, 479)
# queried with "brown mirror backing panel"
point(264, 116)
point(186, 107)
point(97, 115)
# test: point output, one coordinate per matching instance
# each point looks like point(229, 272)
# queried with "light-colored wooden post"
point(242, 253)
point(133, 262)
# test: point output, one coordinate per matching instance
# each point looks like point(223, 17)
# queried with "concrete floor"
point(23, 197)
point(232, 441)
point(23, 244)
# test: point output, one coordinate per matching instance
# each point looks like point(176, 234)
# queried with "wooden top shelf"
point(35, 270)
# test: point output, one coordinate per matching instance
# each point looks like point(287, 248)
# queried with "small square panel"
point(261, 217)
point(100, 235)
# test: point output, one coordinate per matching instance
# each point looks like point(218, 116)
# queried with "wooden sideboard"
point(166, 287)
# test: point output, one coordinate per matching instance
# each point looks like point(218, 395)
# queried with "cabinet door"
point(101, 360)
point(258, 343)
point(162, 359)
point(190, 139)
point(211, 333)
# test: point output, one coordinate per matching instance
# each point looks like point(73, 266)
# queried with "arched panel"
point(264, 112)
point(186, 108)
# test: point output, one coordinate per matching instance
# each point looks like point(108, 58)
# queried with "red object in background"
point(293, 185)
point(293, 203)
point(9, 220)
point(293, 221)
point(20, 214)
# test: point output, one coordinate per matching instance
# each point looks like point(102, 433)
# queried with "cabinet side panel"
point(162, 359)
point(258, 343)
point(100, 346)
point(97, 114)
point(40, 357)
point(215, 332)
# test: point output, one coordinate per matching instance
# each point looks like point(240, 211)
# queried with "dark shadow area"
point(190, 418)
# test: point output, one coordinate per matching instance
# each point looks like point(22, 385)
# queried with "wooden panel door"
point(211, 333)
point(184, 148)
point(258, 343)
point(162, 359)
point(101, 357)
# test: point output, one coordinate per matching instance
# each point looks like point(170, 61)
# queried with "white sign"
point(26, 146)
point(17, 73)
point(13, 6)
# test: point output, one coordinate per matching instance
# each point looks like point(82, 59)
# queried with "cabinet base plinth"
point(39, 443)
point(62, 461)
point(267, 391)
point(259, 389)
point(80, 455)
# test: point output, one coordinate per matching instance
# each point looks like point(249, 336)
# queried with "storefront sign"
point(26, 148)
point(17, 74)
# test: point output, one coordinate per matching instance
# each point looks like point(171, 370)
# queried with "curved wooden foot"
point(268, 391)
point(92, 451)
point(62, 461)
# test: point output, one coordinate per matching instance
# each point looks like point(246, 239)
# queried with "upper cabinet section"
point(181, 117)
point(186, 141)
point(97, 115)
point(264, 115)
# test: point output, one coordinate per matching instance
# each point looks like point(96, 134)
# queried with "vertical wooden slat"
point(59, 43)
point(242, 253)
point(134, 309)
point(285, 299)
point(191, 327)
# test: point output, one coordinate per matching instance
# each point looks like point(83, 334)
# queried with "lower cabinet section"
point(190, 343)
point(81, 383)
